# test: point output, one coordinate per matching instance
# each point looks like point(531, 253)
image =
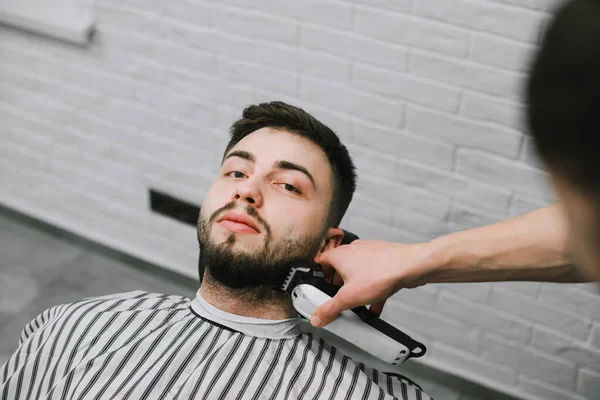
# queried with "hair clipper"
point(306, 285)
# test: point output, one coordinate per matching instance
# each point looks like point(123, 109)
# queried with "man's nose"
point(249, 191)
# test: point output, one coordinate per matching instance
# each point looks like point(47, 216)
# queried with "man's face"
point(583, 216)
point(269, 204)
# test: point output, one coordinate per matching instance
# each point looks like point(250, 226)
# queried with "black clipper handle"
point(417, 349)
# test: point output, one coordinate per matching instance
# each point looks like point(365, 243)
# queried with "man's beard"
point(253, 273)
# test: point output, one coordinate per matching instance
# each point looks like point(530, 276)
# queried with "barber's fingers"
point(377, 308)
point(337, 261)
point(336, 279)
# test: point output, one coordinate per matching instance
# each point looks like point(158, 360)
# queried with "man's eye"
point(237, 174)
point(289, 187)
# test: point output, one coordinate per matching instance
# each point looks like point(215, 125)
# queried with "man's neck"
point(244, 302)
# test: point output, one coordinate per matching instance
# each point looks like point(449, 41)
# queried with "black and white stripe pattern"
point(138, 345)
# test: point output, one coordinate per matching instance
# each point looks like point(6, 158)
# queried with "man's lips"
point(238, 223)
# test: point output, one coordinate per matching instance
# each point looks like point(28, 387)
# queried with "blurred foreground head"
point(563, 96)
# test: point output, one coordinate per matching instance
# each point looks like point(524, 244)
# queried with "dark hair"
point(563, 94)
point(279, 115)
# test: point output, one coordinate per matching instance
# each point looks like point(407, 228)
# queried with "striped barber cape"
point(139, 345)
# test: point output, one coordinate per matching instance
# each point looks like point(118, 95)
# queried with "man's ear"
point(333, 238)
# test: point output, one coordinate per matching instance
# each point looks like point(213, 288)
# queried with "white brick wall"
point(426, 93)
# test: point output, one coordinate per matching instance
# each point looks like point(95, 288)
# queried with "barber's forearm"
point(532, 247)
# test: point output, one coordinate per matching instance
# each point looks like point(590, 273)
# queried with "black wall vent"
point(180, 210)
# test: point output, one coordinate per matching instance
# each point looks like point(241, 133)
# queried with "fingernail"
point(316, 321)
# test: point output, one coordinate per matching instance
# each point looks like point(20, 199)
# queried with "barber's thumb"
point(324, 314)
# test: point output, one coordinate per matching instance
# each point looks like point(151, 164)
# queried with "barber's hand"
point(369, 271)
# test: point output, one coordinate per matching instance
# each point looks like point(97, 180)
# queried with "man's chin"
point(237, 241)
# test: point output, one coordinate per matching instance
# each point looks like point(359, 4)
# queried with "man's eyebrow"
point(241, 154)
point(282, 164)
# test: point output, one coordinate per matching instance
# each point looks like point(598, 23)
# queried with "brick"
point(423, 297)
point(530, 155)
point(373, 161)
point(550, 341)
point(474, 367)
point(354, 102)
point(355, 48)
point(463, 132)
point(265, 77)
point(405, 87)
point(400, 5)
point(211, 89)
point(398, 28)
point(405, 197)
point(401, 143)
point(46, 108)
point(133, 114)
point(411, 221)
point(470, 216)
point(378, 211)
point(543, 5)
point(592, 288)
point(442, 329)
point(443, 181)
point(33, 139)
point(113, 191)
point(130, 40)
point(136, 19)
point(107, 85)
point(477, 292)
point(481, 195)
point(493, 109)
point(508, 173)
point(571, 297)
point(256, 26)
point(418, 174)
point(335, 14)
point(550, 316)
point(545, 390)
point(22, 154)
point(468, 75)
point(486, 16)
point(212, 40)
point(595, 336)
point(12, 56)
point(500, 52)
point(516, 329)
point(177, 56)
point(530, 289)
point(51, 83)
point(198, 13)
point(529, 362)
point(522, 205)
point(561, 345)
point(369, 230)
point(9, 176)
point(589, 383)
point(425, 202)
point(300, 60)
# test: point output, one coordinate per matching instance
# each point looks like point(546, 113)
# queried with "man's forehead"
point(272, 146)
point(276, 144)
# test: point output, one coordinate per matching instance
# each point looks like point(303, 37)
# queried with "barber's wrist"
point(438, 261)
point(418, 263)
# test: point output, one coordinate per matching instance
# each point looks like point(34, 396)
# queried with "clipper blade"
point(299, 269)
